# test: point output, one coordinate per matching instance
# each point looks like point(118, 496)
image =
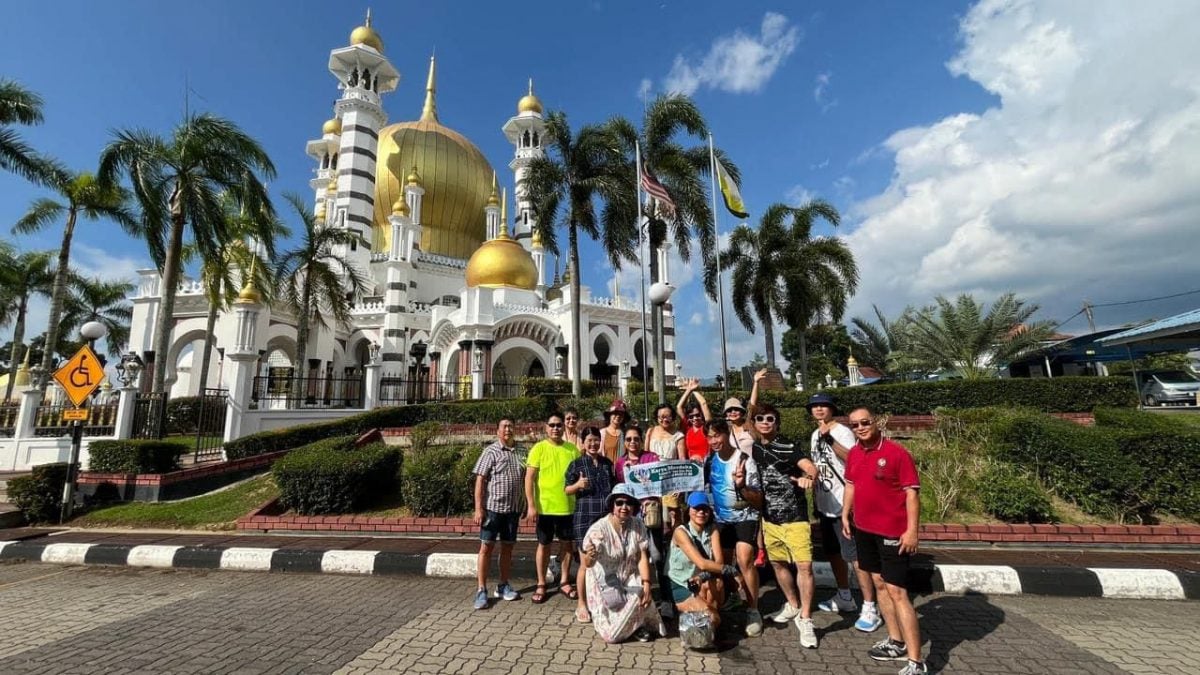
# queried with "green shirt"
point(552, 461)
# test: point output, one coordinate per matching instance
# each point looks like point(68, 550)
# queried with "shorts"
point(881, 555)
point(741, 532)
point(789, 542)
point(499, 526)
point(550, 528)
point(679, 593)
point(834, 543)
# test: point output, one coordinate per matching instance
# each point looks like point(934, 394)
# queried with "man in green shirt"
point(549, 504)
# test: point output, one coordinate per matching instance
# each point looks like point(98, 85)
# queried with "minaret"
point(492, 211)
point(325, 151)
point(363, 75)
point(525, 132)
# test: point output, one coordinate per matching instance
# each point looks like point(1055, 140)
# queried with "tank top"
point(610, 444)
point(664, 446)
point(697, 443)
point(680, 568)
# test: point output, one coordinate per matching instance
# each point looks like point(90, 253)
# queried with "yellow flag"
point(730, 193)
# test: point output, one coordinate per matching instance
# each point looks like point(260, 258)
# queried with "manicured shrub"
point(39, 495)
point(424, 434)
point(332, 476)
point(1170, 469)
point(437, 481)
point(135, 456)
point(1013, 495)
point(539, 386)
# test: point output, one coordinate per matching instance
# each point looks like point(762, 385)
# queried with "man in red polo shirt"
point(882, 492)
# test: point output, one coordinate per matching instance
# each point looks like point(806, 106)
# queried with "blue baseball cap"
point(821, 399)
point(699, 499)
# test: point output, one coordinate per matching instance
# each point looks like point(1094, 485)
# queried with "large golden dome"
point(454, 173)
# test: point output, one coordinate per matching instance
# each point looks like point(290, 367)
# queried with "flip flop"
point(582, 615)
point(569, 591)
point(539, 594)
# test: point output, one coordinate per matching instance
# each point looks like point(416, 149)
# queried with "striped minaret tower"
point(525, 132)
point(363, 75)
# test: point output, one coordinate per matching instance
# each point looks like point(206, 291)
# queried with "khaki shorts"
point(788, 543)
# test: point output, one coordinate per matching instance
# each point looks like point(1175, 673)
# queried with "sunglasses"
point(695, 417)
point(633, 439)
point(572, 419)
point(623, 503)
point(860, 425)
point(769, 419)
point(555, 425)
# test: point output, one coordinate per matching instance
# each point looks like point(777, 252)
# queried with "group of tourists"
point(701, 548)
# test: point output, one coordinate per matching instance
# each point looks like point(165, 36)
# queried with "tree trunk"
point(59, 293)
point(170, 284)
point(301, 366)
point(804, 358)
point(576, 338)
point(17, 352)
point(209, 327)
point(769, 334)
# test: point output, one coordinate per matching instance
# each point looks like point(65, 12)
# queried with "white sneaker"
point(869, 620)
point(754, 626)
point(808, 636)
point(786, 614)
point(837, 604)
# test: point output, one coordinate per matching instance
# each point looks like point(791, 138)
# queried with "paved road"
point(56, 619)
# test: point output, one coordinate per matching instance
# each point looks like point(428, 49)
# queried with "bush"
point(424, 434)
point(541, 386)
point(183, 414)
point(1134, 420)
point(135, 456)
point(332, 476)
point(437, 481)
point(1169, 467)
point(1014, 495)
point(39, 495)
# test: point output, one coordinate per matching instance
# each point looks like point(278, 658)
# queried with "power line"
point(1067, 320)
point(1135, 302)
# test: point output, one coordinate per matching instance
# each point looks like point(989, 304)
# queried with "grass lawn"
point(213, 511)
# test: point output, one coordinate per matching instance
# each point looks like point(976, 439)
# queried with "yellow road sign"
point(75, 414)
point(80, 375)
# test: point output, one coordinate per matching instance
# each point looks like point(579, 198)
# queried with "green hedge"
point(1170, 469)
point(1014, 495)
point(135, 456)
point(183, 414)
point(540, 386)
point(437, 480)
point(331, 476)
point(39, 495)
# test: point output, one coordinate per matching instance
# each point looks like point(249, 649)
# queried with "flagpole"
point(637, 153)
point(712, 159)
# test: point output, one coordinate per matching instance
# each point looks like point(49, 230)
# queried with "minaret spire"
point(367, 23)
point(429, 113)
point(503, 215)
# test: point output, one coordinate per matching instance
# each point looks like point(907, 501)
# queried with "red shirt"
point(696, 442)
point(644, 458)
point(880, 478)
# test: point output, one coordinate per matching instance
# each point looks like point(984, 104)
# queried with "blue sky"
point(970, 147)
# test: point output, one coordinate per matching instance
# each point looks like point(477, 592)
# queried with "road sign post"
point(79, 377)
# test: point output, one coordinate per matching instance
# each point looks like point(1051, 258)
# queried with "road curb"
point(1093, 582)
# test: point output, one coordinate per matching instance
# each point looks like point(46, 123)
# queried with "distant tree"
point(962, 336)
point(103, 301)
point(829, 348)
point(886, 345)
point(23, 276)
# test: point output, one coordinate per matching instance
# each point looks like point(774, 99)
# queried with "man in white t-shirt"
point(830, 445)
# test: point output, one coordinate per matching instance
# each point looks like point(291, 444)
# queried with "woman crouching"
point(696, 566)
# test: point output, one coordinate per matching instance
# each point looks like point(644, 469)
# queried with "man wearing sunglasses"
point(549, 505)
point(882, 496)
point(786, 471)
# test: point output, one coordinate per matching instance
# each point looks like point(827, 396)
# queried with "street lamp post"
point(90, 331)
point(659, 294)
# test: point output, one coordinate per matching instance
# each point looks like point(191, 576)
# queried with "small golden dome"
point(332, 188)
point(414, 178)
point(400, 208)
point(536, 240)
point(333, 126)
point(365, 35)
point(249, 293)
point(529, 102)
point(851, 361)
point(501, 262)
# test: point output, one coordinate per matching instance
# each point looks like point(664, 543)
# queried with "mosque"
point(457, 292)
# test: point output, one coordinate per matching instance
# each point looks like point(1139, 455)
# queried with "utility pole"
point(1087, 309)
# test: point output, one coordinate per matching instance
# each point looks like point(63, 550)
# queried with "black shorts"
point(499, 526)
point(742, 532)
point(881, 555)
point(550, 528)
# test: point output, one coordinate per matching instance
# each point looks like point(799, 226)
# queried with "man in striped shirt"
point(497, 509)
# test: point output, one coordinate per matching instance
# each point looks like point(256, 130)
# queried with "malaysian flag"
point(655, 189)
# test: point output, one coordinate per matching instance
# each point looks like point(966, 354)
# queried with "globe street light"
point(92, 331)
point(659, 294)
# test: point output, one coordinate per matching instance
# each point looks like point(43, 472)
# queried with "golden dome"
point(332, 188)
point(501, 262)
point(414, 178)
point(536, 240)
point(456, 176)
point(365, 35)
point(529, 102)
point(851, 361)
point(333, 126)
point(249, 293)
point(400, 208)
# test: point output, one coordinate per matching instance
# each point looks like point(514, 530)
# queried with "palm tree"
point(177, 183)
point(564, 186)
point(18, 105)
point(962, 336)
point(756, 259)
point(81, 195)
point(95, 299)
point(886, 344)
point(316, 282)
point(820, 274)
point(22, 276)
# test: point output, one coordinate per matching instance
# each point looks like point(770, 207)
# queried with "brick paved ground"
point(56, 619)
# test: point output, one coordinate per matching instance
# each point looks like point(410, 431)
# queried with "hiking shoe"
point(837, 604)
point(914, 668)
point(869, 620)
point(505, 591)
point(481, 599)
point(754, 625)
point(808, 636)
point(886, 650)
point(786, 614)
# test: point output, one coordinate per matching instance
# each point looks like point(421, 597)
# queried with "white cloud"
point(798, 194)
point(738, 63)
point(821, 90)
point(697, 319)
point(645, 88)
point(1079, 183)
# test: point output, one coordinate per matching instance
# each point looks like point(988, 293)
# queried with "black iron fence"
point(502, 389)
point(101, 420)
point(406, 390)
point(8, 418)
point(210, 424)
point(274, 392)
point(149, 415)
